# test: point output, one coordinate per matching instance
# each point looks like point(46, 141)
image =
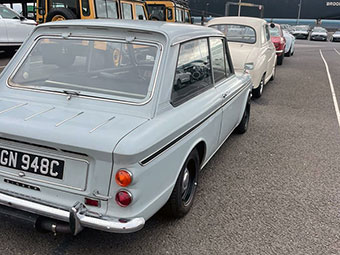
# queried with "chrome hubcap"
point(185, 182)
point(261, 87)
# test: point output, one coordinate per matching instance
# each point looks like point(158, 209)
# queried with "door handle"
point(225, 95)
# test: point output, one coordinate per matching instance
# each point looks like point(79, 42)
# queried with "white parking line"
point(337, 51)
point(2, 66)
point(335, 101)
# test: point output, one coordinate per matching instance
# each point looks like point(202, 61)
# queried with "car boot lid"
point(53, 125)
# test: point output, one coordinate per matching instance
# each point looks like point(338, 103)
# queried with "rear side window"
point(127, 11)
point(193, 71)
point(218, 59)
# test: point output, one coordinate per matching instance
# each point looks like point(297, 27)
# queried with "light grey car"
point(94, 131)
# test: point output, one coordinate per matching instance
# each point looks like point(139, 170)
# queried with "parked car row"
point(253, 42)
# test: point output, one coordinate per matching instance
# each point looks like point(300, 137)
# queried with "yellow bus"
point(169, 10)
point(54, 10)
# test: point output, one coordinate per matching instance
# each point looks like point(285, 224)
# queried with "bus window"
point(157, 12)
point(169, 14)
point(140, 13)
point(127, 11)
point(106, 9)
point(187, 17)
point(85, 7)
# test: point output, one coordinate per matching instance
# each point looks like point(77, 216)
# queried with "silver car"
point(14, 29)
point(94, 131)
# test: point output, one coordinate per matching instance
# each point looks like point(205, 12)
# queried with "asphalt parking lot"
point(274, 190)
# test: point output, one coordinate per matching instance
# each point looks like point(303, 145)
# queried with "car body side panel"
point(159, 137)
point(3, 31)
point(18, 30)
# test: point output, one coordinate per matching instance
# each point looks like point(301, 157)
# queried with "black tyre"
point(243, 126)
point(57, 14)
point(274, 73)
point(280, 59)
point(257, 93)
point(289, 53)
point(183, 194)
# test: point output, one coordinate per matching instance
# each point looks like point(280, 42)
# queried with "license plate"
point(31, 163)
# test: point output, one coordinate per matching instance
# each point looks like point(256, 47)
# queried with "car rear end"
point(61, 119)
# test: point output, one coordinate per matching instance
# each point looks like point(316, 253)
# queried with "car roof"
point(249, 21)
point(175, 32)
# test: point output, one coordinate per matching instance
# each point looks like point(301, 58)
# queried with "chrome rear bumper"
point(77, 216)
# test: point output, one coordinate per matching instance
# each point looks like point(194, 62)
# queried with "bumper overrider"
point(77, 217)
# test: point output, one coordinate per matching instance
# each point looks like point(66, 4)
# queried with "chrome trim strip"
point(11, 85)
point(13, 107)
point(39, 113)
point(107, 224)
point(165, 148)
point(102, 124)
point(68, 119)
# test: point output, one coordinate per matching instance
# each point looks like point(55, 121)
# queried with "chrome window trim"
point(11, 85)
point(196, 38)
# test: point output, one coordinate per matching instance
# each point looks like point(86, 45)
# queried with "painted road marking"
point(335, 101)
point(2, 66)
point(337, 51)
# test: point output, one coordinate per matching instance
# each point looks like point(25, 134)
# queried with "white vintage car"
point(95, 131)
point(250, 45)
point(14, 29)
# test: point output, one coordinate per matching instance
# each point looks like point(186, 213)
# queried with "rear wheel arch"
point(201, 148)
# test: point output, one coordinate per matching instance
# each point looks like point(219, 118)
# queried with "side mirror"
point(140, 17)
point(192, 20)
point(248, 66)
point(22, 18)
point(272, 25)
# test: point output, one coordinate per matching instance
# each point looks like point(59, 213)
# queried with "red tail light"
point(123, 198)
point(91, 202)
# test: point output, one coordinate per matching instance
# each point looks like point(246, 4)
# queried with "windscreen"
point(114, 70)
point(319, 29)
point(237, 33)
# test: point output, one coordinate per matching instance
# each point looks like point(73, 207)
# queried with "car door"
point(228, 87)
point(195, 100)
point(17, 30)
point(270, 52)
point(3, 31)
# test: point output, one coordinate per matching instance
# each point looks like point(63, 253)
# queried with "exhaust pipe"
point(44, 225)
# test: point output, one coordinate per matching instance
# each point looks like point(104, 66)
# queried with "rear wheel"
point(243, 126)
point(257, 93)
point(182, 196)
point(280, 59)
point(57, 14)
point(273, 75)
